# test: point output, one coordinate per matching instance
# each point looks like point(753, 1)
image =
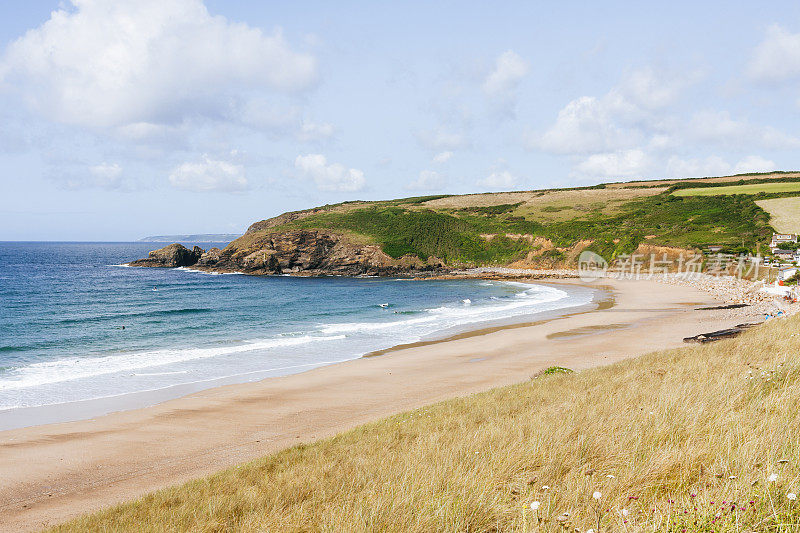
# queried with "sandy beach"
point(51, 473)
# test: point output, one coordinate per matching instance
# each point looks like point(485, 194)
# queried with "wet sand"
point(51, 473)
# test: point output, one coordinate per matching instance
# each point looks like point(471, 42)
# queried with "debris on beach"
point(719, 334)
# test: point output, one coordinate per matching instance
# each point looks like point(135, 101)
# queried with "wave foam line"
point(73, 368)
point(523, 302)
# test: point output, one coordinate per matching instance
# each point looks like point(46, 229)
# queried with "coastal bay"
point(56, 471)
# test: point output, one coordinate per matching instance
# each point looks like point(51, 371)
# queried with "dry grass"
point(784, 213)
point(549, 206)
point(684, 440)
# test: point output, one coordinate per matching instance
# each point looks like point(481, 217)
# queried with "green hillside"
point(544, 226)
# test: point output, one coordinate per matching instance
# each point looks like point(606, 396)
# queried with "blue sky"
point(125, 118)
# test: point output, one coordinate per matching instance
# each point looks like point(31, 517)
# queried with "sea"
point(76, 325)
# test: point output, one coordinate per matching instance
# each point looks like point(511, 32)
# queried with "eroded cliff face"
point(300, 252)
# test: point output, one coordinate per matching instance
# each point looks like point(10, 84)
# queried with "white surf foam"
point(208, 272)
point(525, 302)
point(73, 368)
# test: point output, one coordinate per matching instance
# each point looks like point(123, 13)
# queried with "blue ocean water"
point(63, 307)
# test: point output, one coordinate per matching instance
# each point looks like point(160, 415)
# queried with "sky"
point(126, 118)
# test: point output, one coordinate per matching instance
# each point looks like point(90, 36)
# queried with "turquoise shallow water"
point(63, 307)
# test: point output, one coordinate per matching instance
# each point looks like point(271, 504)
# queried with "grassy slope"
point(454, 233)
point(616, 218)
point(681, 439)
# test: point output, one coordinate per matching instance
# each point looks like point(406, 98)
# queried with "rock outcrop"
point(300, 252)
point(173, 255)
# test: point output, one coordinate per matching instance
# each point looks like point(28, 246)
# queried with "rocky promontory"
point(299, 252)
point(174, 255)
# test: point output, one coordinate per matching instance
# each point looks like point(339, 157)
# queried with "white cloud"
point(442, 139)
point(652, 89)
point(209, 175)
point(715, 166)
point(509, 69)
point(624, 118)
point(586, 124)
point(428, 180)
point(719, 127)
point(777, 57)
point(329, 177)
point(116, 63)
point(620, 164)
point(312, 131)
point(442, 157)
point(697, 167)
point(753, 163)
point(501, 179)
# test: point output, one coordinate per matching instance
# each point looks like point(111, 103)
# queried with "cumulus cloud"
point(329, 177)
point(442, 157)
point(753, 163)
point(508, 71)
point(651, 89)
point(620, 164)
point(777, 57)
point(501, 179)
point(586, 124)
point(209, 175)
point(697, 167)
point(719, 127)
point(428, 180)
point(621, 119)
point(716, 166)
point(631, 131)
point(108, 64)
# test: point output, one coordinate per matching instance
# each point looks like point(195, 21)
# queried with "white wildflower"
point(773, 478)
point(625, 512)
point(597, 495)
point(535, 505)
point(792, 496)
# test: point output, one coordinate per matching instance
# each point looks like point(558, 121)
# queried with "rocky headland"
point(299, 252)
point(171, 256)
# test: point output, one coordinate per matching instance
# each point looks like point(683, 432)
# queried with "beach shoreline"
point(53, 472)
point(84, 409)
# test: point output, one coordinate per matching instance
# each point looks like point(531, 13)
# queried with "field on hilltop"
point(784, 213)
point(755, 188)
point(698, 439)
point(778, 175)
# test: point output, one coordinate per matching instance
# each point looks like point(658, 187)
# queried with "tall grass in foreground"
point(698, 439)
